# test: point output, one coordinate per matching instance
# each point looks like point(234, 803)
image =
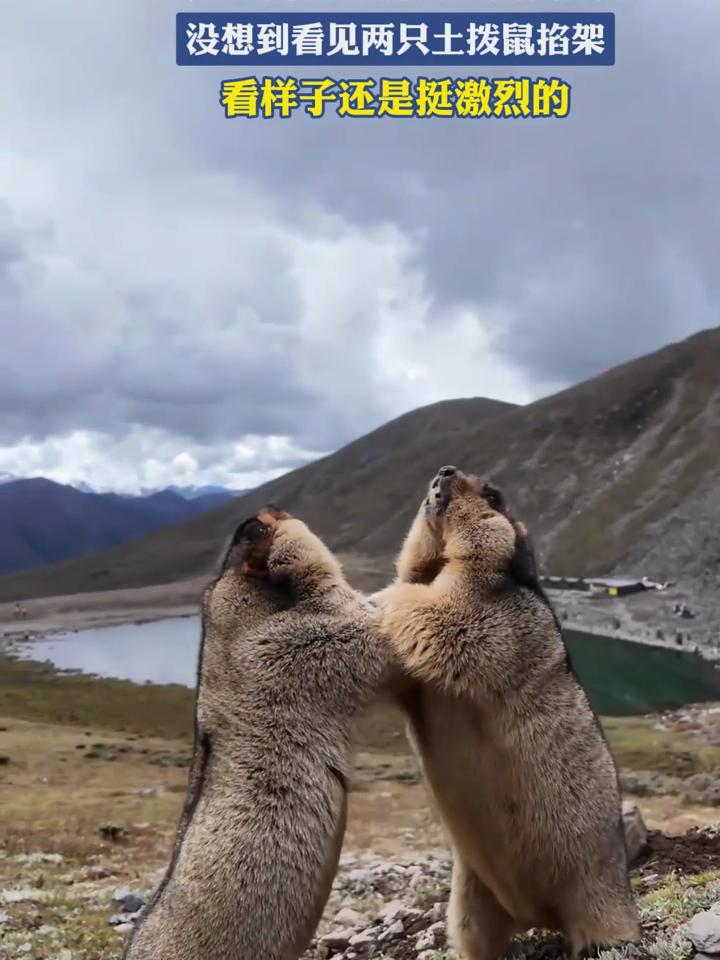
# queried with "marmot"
point(290, 654)
point(511, 749)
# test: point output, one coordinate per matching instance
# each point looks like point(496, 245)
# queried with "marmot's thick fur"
point(290, 655)
point(512, 751)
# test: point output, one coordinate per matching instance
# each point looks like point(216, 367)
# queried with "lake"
point(621, 678)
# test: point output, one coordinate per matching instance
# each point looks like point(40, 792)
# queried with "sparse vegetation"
point(83, 753)
point(35, 691)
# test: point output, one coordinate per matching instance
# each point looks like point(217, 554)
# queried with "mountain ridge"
point(619, 472)
point(43, 522)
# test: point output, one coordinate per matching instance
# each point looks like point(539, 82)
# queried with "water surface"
point(621, 678)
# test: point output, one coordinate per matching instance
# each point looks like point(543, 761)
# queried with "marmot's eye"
point(494, 497)
point(250, 530)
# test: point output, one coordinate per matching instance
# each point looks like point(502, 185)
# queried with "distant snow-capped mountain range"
point(187, 493)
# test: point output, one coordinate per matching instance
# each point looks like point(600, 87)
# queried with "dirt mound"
point(695, 852)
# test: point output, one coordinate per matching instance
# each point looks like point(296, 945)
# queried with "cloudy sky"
point(186, 299)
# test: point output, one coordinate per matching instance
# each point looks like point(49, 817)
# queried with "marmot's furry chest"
point(489, 796)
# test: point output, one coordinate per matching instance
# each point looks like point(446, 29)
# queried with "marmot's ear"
point(523, 567)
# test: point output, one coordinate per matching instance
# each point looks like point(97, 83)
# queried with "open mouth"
point(441, 492)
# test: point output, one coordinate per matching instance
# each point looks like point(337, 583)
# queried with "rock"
point(337, 939)
point(121, 918)
point(703, 931)
point(701, 781)
point(123, 927)
point(111, 831)
point(437, 912)
point(4, 760)
point(4, 916)
point(347, 917)
point(635, 830)
point(433, 938)
point(392, 932)
point(128, 900)
point(359, 939)
point(392, 911)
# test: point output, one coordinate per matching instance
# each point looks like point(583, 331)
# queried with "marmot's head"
point(273, 561)
point(471, 517)
point(272, 564)
point(281, 549)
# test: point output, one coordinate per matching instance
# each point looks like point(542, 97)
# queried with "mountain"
point(43, 522)
point(211, 494)
point(84, 487)
point(196, 546)
point(620, 473)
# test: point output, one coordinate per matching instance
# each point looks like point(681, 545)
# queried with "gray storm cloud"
point(173, 282)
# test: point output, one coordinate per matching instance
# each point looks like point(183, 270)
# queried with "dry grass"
point(638, 744)
point(35, 691)
point(55, 801)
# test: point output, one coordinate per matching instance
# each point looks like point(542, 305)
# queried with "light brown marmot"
point(290, 655)
point(511, 749)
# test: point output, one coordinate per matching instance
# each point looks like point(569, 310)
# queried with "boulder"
point(128, 900)
point(703, 931)
point(635, 830)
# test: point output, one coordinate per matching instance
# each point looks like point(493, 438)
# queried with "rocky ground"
point(93, 774)
point(380, 907)
point(397, 909)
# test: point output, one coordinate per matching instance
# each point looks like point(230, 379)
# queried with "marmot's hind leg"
point(479, 927)
point(606, 921)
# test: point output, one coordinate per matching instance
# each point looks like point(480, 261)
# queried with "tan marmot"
point(290, 655)
point(512, 751)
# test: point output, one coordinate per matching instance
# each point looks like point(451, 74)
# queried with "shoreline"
point(646, 618)
point(628, 637)
point(39, 630)
point(49, 616)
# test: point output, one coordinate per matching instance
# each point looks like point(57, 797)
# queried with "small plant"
point(677, 948)
point(628, 952)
